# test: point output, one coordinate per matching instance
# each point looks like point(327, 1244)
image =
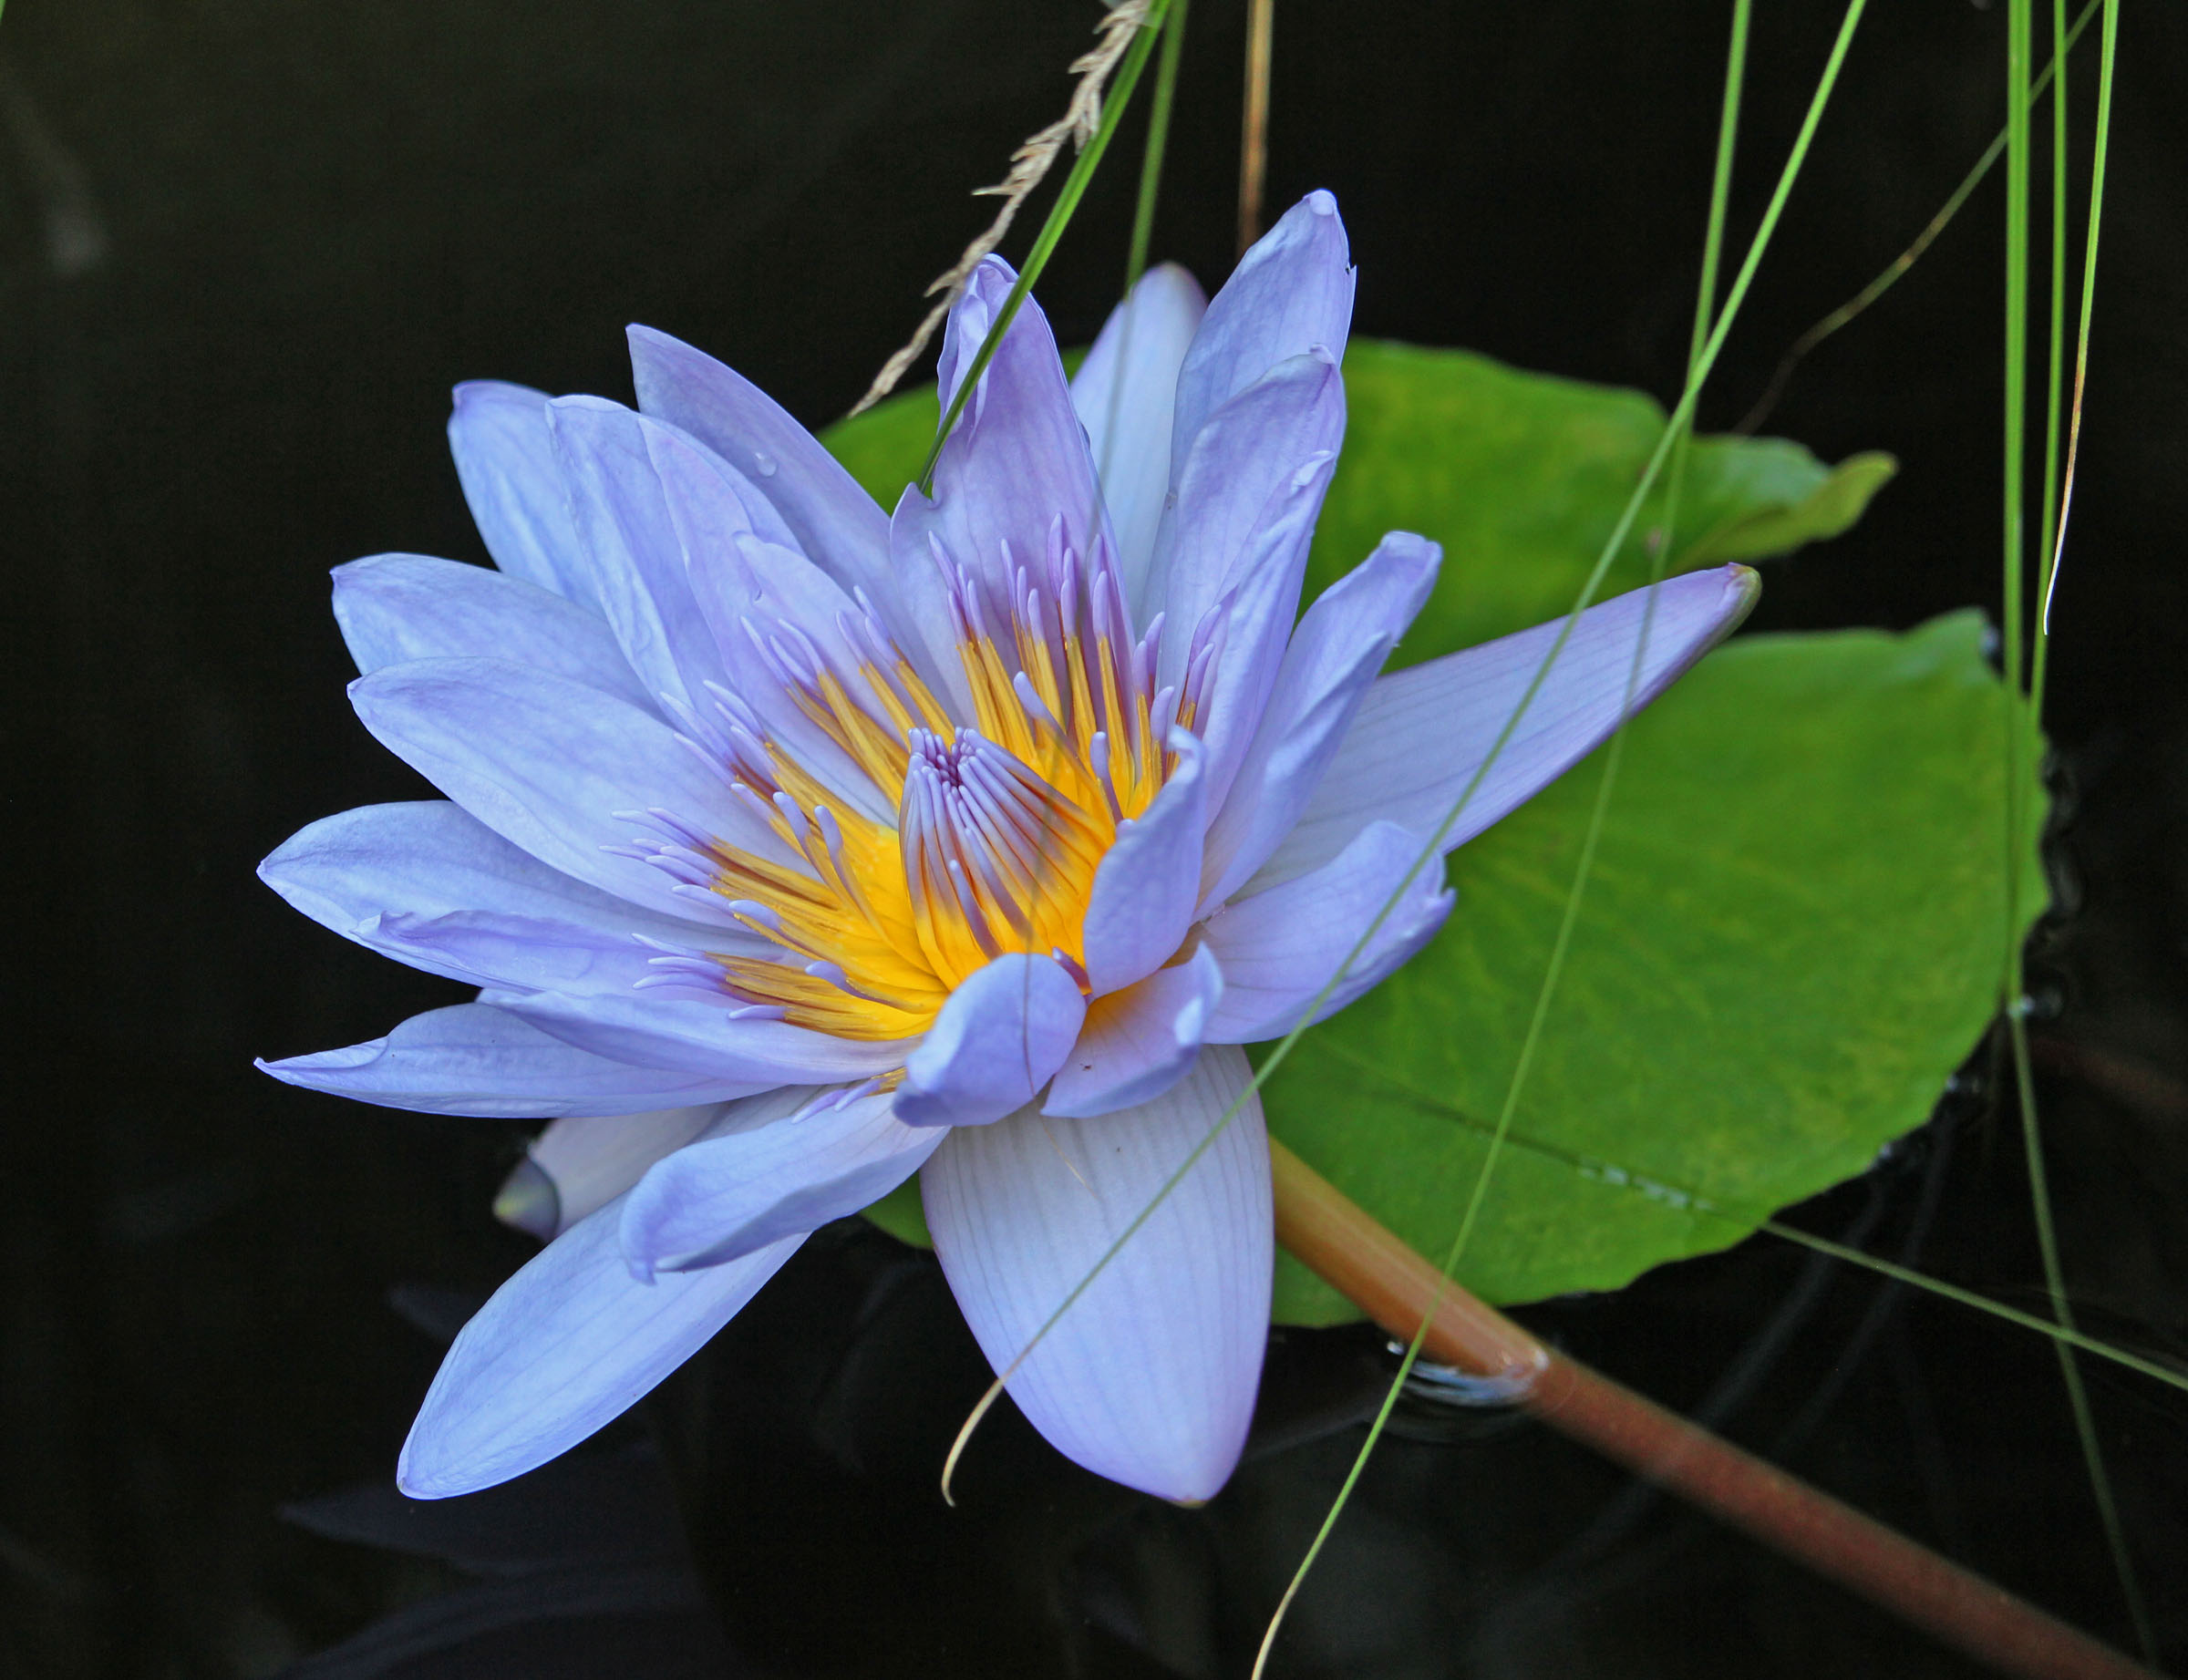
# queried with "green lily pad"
point(1521, 477)
point(883, 448)
point(1790, 938)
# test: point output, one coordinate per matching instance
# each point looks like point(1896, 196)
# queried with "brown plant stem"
point(1254, 127)
point(1396, 1288)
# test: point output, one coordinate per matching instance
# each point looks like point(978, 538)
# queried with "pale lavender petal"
point(638, 570)
point(569, 1344)
point(1148, 1376)
point(1335, 653)
point(1422, 734)
point(702, 1033)
point(1014, 465)
point(766, 610)
point(1004, 1031)
point(1279, 949)
point(767, 1176)
point(713, 524)
point(430, 885)
point(585, 1161)
point(479, 1060)
point(498, 435)
point(1148, 883)
point(1234, 547)
point(1138, 1042)
point(1291, 293)
point(394, 608)
point(1125, 393)
point(835, 522)
point(549, 764)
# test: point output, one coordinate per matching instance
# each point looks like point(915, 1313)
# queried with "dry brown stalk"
point(1028, 167)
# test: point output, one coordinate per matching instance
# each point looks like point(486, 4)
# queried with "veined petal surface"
point(998, 1040)
point(394, 608)
point(835, 523)
point(1013, 485)
point(708, 1035)
point(570, 1343)
point(548, 763)
point(1336, 652)
point(513, 485)
point(1126, 394)
point(1423, 734)
point(776, 1166)
point(583, 1162)
point(1232, 549)
point(477, 1059)
point(1289, 295)
point(1145, 889)
point(623, 516)
point(1281, 948)
point(430, 885)
point(1148, 1376)
point(1138, 1042)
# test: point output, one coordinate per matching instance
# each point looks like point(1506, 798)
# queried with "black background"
point(245, 248)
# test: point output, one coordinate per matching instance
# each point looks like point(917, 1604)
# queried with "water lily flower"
point(797, 847)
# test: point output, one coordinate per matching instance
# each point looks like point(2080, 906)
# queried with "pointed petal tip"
point(529, 1201)
point(1743, 588)
point(470, 393)
point(415, 1479)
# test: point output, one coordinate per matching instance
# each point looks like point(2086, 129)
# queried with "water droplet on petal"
point(764, 464)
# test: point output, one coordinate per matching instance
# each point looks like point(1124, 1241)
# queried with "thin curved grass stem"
point(1158, 143)
point(1905, 260)
point(1640, 1181)
point(1408, 1296)
point(2106, 57)
point(2022, 743)
point(1052, 230)
point(1678, 432)
point(2069, 1369)
point(1143, 224)
point(1682, 414)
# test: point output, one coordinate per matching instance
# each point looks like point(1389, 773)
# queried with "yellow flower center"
point(998, 830)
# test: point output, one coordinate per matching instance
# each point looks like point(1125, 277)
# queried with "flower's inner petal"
point(1125, 393)
point(997, 822)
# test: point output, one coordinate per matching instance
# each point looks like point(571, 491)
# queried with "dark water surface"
point(245, 248)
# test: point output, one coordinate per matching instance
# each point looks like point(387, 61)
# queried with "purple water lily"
point(798, 847)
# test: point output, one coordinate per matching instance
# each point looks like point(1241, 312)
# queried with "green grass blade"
point(2021, 768)
point(1158, 140)
point(1052, 230)
point(1906, 259)
point(2108, 54)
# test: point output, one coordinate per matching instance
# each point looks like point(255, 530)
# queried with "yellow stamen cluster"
point(888, 931)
